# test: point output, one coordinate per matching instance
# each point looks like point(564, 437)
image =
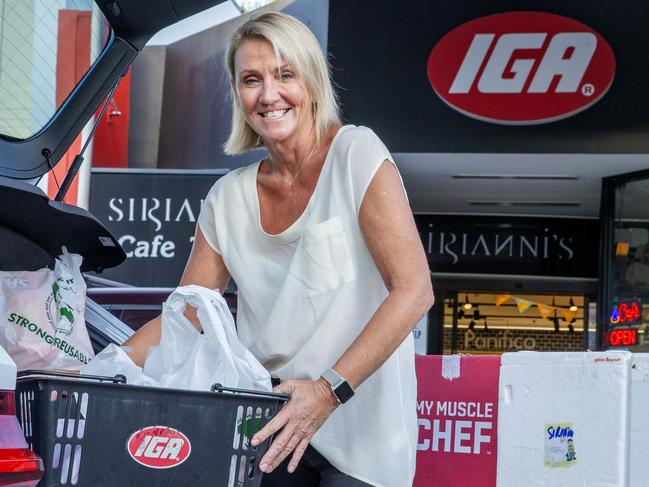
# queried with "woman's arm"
point(205, 267)
point(392, 239)
point(394, 243)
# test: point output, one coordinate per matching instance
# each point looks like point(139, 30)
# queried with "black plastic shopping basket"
point(100, 431)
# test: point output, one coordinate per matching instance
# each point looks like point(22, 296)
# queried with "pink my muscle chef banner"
point(457, 409)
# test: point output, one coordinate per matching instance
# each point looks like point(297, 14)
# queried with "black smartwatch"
point(340, 387)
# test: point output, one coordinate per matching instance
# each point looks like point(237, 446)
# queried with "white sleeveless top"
point(305, 295)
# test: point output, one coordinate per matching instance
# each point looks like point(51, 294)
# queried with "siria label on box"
point(559, 445)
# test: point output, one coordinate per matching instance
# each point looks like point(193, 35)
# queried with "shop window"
point(626, 317)
point(494, 323)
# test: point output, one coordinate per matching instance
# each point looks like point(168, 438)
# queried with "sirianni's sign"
point(153, 216)
point(559, 247)
point(521, 68)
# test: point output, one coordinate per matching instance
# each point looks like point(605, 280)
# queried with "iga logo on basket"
point(159, 447)
point(521, 68)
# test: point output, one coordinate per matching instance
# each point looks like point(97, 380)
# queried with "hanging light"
point(476, 313)
point(467, 304)
point(460, 314)
point(573, 306)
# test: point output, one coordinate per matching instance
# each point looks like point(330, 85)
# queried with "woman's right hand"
point(206, 268)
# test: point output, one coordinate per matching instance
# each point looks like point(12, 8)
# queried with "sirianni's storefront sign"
point(156, 212)
point(153, 216)
point(561, 247)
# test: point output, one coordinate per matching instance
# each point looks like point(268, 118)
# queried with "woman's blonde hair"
point(295, 44)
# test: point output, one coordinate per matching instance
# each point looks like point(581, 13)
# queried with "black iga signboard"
point(553, 247)
point(431, 86)
point(152, 214)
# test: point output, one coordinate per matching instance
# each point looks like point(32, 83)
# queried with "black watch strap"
point(339, 385)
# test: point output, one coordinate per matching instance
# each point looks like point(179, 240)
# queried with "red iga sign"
point(159, 447)
point(457, 409)
point(521, 68)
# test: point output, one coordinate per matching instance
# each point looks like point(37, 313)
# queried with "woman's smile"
point(275, 114)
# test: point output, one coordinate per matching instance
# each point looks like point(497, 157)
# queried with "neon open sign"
point(623, 338)
point(626, 312)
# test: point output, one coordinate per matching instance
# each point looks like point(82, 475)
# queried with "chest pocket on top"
point(326, 257)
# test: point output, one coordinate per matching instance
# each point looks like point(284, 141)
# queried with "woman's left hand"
point(310, 404)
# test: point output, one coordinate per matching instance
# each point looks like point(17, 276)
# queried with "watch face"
point(344, 392)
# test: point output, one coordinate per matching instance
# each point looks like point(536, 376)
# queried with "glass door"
point(623, 317)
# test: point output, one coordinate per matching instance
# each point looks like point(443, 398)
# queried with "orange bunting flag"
point(502, 298)
point(544, 310)
point(522, 304)
point(568, 315)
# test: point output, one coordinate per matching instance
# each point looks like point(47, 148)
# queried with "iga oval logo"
point(159, 447)
point(521, 68)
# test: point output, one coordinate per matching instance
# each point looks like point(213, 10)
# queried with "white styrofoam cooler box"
point(563, 419)
point(639, 421)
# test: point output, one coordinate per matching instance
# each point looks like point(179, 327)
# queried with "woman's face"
point(274, 102)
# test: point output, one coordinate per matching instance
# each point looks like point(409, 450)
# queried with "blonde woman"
point(331, 272)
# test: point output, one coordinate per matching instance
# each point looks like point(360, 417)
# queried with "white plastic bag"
point(187, 359)
point(113, 360)
point(42, 323)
